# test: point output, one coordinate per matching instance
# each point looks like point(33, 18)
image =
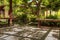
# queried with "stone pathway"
point(27, 33)
point(53, 35)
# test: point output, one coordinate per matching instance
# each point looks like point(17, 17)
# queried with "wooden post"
point(10, 13)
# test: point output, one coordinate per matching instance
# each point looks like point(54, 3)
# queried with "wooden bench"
point(50, 21)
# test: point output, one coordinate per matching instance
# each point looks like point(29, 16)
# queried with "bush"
point(21, 19)
point(33, 20)
point(51, 23)
point(52, 17)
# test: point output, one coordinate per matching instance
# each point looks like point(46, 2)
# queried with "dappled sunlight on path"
point(26, 33)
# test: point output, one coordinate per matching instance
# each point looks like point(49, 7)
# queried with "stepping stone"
point(2, 39)
point(10, 32)
point(17, 30)
point(4, 36)
point(11, 38)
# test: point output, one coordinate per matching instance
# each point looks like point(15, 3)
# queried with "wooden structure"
point(9, 13)
point(48, 20)
point(2, 10)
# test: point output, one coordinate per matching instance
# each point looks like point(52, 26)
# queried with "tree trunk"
point(10, 13)
point(37, 12)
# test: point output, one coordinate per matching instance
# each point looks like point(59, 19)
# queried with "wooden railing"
point(50, 20)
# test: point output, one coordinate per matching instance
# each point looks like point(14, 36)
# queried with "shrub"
point(21, 19)
point(50, 23)
point(52, 17)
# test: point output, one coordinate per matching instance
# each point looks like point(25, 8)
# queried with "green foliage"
point(3, 22)
point(52, 17)
point(45, 2)
point(26, 1)
point(33, 20)
point(23, 6)
point(24, 18)
point(21, 19)
point(52, 4)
